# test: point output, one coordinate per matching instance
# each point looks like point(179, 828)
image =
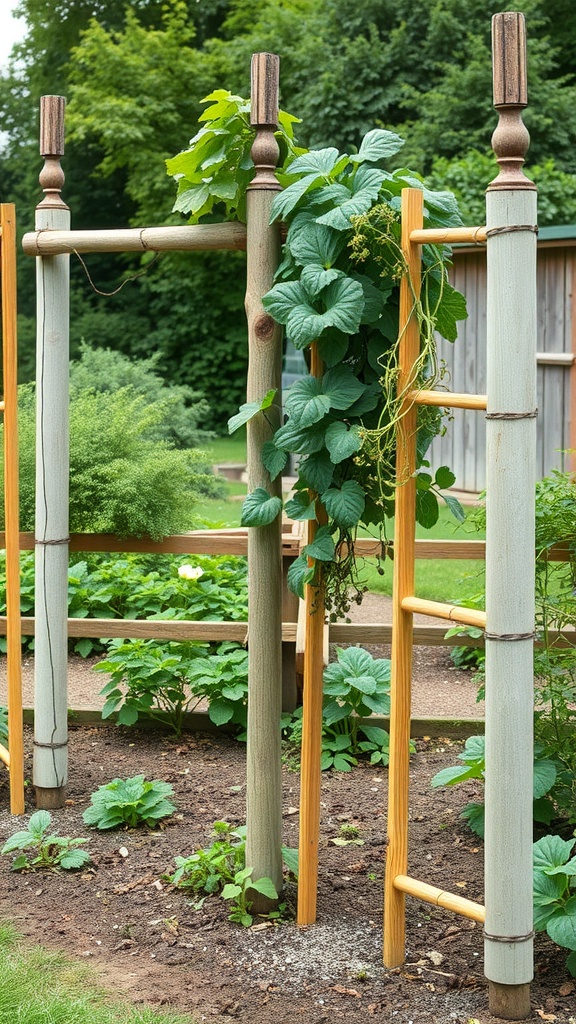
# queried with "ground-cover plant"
point(555, 893)
point(221, 869)
point(41, 848)
point(39, 986)
point(337, 287)
point(135, 586)
point(474, 767)
point(4, 726)
point(356, 686)
point(165, 681)
point(130, 803)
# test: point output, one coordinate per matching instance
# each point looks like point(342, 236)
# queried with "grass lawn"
point(228, 449)
point(41, 987)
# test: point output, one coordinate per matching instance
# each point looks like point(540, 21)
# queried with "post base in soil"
point(50, 799)
point(511, 1002)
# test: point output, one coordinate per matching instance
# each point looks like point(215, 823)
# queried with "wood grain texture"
point(265, 73)
point(509, 60)
point(403, 586)
point(172, 238)
point(52, 125)
point(12, 543)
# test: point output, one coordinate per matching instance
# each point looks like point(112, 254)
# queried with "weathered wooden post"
point(511, 461)
point(264, 776)
point(52, 462)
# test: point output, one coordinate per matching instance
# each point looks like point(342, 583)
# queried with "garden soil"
point(150, 943)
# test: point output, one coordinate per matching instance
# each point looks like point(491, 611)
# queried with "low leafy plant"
point(474, 767)
point(129, 802)
point(165, 681)
point(221, 868)
point(4, 726)
point(43, 849)
point(355, 686)
point(555, 893)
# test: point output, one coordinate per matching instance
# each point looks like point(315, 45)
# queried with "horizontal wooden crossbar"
point(440, 898)
point(2, 406)
point(185, 237)
point(4, 755)
point(448, 399)
point(448, 236)
point(468, 616)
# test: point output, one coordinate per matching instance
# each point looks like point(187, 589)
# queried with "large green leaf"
point(317, 161)
point(316, 243)
point(286, 201)
point(300, 440)
point(377, 145)
point(317, 471)
point(342, 387)
point(344, 301)
point(342, 442)
point(289, 303)
point(306, 401)
point(300, 507)
point(315, 278)
point(427, 510)
point(448, 304)
point(551, 853)
point(345, 504)
point(544, 777)
point(299, 574)
point(274, 460)
point(366, 186)
point(547, 889)
point(562, 926)
point(322, 547)
point(259, 509)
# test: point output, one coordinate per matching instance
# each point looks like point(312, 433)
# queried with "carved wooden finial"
point(510, 140)
point(264, 116)
point(52, 149)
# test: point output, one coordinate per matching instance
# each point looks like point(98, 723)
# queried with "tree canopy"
point(135, 73)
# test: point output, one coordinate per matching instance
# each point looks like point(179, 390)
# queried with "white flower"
point(190, 572)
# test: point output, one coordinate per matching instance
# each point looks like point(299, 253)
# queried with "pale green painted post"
point(50, 771)
point(511, 469)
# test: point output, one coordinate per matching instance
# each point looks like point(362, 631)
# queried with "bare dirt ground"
point(149, 942)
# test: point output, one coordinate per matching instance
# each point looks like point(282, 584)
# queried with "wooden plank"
point(449, 399)
point(448, 236)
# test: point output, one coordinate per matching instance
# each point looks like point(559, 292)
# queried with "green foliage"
point(121, 481)
point(554, 893)
point(221, 868)
point(184, 410)
point(474, 767)
point(137, 586)
point(468, 176)
point(165, 681)
point(337, 287)
point(355, 686)
point(4, 726)
point(42, 849)
point(130, 803)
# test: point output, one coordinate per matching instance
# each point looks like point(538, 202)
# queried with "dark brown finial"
point(264, 117)
point(510, 140)
point(52, 149)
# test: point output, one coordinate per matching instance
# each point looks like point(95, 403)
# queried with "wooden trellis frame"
point(14, 757)
point(511, 455)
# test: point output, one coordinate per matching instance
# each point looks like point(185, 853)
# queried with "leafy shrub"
point(46, 850)
point(355, 686)
point(554, 895)
point(164, 681)
point(185, 410)
point(129, 802)
point(121, 481)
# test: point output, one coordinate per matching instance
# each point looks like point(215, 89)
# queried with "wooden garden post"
point(264, 777)
point(511, 463)
point(52, 468)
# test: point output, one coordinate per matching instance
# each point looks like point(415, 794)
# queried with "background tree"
point(135, 73)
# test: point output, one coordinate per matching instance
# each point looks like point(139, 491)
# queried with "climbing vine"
point(337, 288)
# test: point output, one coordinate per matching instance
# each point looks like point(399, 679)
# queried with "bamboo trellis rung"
point(448, 236)
point(4, 755)
point(1, 406)
point(172, 238)
point(468, 616)
point(440, 898)
point(448, 399)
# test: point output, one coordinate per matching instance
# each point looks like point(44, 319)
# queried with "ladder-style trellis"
point(13, 757)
